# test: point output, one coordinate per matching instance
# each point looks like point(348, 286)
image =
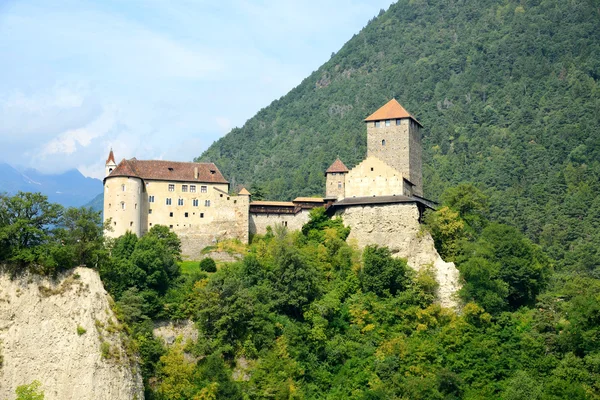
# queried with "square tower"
point(394, 137)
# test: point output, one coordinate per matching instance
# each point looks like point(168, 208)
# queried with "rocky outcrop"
point(397, 227)
point(64, 334)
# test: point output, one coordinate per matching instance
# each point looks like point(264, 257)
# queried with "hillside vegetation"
point(306, 315)
point(508, 94)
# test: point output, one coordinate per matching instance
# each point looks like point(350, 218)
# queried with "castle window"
point(284, 223)
point(170, 214)
point(109, 205)
point(150, 199)
point(201, 215)
point(150, 211)
point(135, 206)
point(383, 142)
point(203, 189)
point(388, 122)
point(371, 169)
point(115, 223)
point(398, 121)
point(168, 201)
point(195, 202)
point(171, 187)
point(186, 215)
point(170, 226)
point(150, 224)
point(122, 205)
point(122, 188)
point(192, 188)
point(110, 170)
point(184, 188)
point(131, 223)
point(179, 202)
point(212, 171)
point(206, 203)
point(227, 197)
point(235, 202)
point(339, 184)
point(377, 124)
point(221, 195)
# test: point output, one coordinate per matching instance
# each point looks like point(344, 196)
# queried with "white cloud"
point(152, 79)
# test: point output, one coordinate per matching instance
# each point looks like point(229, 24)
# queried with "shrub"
point(80, 330)
point(208, 265)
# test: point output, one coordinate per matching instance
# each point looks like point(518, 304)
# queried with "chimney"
point(195, 172)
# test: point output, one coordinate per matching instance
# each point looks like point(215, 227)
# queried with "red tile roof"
point(111, 157)
point(337, 166)
point(391, 110)
point(169, 171)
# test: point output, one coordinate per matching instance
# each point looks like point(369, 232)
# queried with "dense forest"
point(507, 92)
point(305, 315)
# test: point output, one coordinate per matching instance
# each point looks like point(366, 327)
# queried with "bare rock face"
point(64, 334)
point(397, 227)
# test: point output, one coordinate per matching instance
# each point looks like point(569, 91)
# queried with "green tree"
point(30, 392)
point(503, 264)
point(208, 265)
point(26, 222)
point(382, 274)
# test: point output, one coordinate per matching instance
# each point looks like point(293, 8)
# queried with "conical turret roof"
point(111, 157)
point(337, 166)
point(244, 192)
point(391, 110)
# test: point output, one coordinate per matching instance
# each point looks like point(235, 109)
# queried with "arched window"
point(122, 205)
point(122, 188)
point(383, 142)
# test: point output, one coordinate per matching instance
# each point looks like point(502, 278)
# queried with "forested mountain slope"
point(508, 94)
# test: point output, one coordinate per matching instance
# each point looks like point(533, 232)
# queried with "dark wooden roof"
point(377, 200)
point(168, 171)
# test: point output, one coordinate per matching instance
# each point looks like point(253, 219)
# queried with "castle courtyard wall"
point(293, 222)
point(372, 177)
point(397, 227)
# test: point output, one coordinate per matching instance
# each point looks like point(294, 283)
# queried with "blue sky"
point(155, 78)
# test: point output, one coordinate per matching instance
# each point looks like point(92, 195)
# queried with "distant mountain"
point(97, 203)
point(71, 188)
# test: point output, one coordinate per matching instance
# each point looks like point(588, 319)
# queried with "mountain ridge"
point(70, 188)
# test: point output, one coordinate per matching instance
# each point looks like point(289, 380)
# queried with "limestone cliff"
point(397, 227)
point(64, 334)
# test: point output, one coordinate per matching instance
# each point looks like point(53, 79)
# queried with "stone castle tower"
point(335, 180)
point(394, 137)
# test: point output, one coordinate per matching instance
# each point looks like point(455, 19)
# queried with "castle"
point(380, 198)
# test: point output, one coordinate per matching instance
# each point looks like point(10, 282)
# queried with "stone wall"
point(397, 227)
point(39, 339)
point(372, 177)
point(229, 221)
point(294, 222)
point(402, 148)
point(335, 185)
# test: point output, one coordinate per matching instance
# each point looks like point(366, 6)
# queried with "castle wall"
point(260, 221)
point(397, 227)
point(217, 215)
point(373, 177)
point(123, 198)
point(402, 149)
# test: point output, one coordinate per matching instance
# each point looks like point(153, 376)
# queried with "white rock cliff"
point(65, 335)
point(397, 227)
